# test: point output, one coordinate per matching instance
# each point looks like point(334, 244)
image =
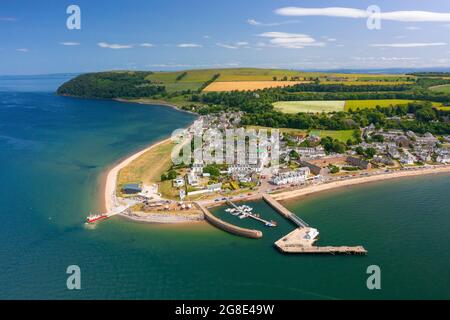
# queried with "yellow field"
point(220, 86)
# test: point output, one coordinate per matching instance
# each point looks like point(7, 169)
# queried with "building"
point(316, 152)
point(192, 179)
point(407, 158)
point(131, 188)
point(178, 182)
point(197, 168)
point(360, 163)
point(297, 176)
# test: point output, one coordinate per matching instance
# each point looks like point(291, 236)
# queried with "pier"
point(302, 239)
point(249, 214)
point(284, 211)
point(298, 242)
point(228, 227)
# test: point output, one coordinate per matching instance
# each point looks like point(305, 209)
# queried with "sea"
point(54, 152)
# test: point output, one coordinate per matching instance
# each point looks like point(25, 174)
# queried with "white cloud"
point(22, 50)
point(403, 16)
point(237, 45)
point(291, 40)
point(147, 45)
point(226, 46)
point(70, 43)
point(189, 45)
point(114, 46)
point(206, 36)
point(409, 45)
point(254, 22)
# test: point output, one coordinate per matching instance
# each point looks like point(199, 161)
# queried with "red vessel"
point(96, 217)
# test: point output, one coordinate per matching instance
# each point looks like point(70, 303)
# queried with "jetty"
point(299, 241)
point(228, 227)
point(284, 211)
point(302, 239)
point(245, 214)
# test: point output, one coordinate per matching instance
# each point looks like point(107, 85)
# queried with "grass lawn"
point(442, 88)
point(309, 106)
point(148, 167)
point(341, 135)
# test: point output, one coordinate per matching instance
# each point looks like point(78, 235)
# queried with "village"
point(303, 161)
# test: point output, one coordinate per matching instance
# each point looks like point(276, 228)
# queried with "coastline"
point(110, 183)
point(288, 195)
point(109, 178)
point(156, 102)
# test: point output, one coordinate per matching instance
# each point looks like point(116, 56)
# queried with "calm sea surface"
point(53, 151)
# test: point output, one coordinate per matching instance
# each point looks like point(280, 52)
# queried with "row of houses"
point(291, 177)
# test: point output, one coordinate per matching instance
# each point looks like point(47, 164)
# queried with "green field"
point(341, 135)
point(370, 104)
point(309, 106)
point(334, 106)
point(445, 88)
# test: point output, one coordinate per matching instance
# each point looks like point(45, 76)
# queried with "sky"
point(188, 34)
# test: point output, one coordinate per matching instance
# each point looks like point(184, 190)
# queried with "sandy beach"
point(111, 178)
point(359, 180)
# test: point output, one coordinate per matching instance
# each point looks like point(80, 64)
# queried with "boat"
point(271, 223)
point(92, 218)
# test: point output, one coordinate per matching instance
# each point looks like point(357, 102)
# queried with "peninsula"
point(335, 130)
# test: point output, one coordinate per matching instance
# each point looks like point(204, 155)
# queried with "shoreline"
point(110, 183)
point(156, 103)
point(108, 179)
point(292, 194)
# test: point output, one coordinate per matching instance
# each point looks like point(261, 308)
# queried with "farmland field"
point(194, 79)
point(369, 104)
point(220, 86)
point(334, 106)
point(442, 88)
point(309, 106)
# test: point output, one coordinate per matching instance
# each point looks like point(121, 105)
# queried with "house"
point(131, 188)
point(197, 168)
point(360, 163)
point(192, 179)
point(178, 182)
point(316, 152)
point(297, 176)
point(407, 158)
point(214, 187)
point(394, 153)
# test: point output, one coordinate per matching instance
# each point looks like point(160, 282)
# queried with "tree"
point(370, 152)
point(212, 169)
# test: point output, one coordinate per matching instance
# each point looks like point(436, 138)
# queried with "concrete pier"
point(298, 242)
point(284, 211)
point(228, 227)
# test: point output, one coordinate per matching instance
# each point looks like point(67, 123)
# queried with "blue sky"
point(175, 34)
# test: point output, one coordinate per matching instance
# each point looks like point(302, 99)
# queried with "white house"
point(178, 182)
point(297, 176)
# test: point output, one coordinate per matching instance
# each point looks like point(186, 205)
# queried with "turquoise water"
point(53, 151)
